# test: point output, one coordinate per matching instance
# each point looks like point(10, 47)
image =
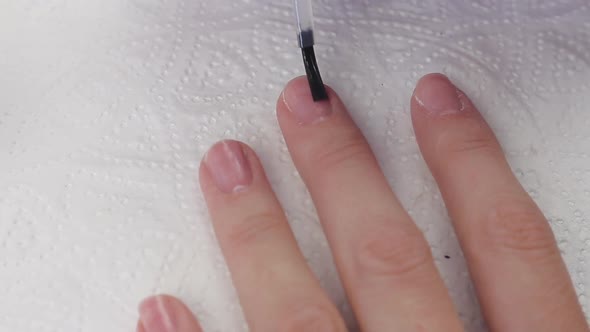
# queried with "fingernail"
point(297, 97)
point(438, 96)
point(229, 167)
point(156, 315)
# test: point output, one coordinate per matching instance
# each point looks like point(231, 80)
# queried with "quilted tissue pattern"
point(106, 107)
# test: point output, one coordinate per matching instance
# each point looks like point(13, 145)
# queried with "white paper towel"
point(106, 107)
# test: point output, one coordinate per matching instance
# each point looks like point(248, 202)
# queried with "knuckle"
point(472, 137)
point(392, 253)
point(312, 318)
point(252, 228)
point(518, 227)
point(472, 144)
point(347, 147)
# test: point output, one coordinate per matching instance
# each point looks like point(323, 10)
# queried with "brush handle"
point(304, 14)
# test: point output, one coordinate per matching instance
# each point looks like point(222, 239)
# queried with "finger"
point(383, 259)
point(277, 290)
point(163, 313)
point(520, 277)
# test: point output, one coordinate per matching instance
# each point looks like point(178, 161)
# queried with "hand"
point(383, 259)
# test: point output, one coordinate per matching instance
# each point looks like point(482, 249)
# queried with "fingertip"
point(243, 146)
point(165, 313)
point(153, 303)
point(298, 82)
point(228, 165)
point(300, 86)
point(429, 79)
point(436, 96)
point(139, 327)
point(296, 102)
point(432, 77)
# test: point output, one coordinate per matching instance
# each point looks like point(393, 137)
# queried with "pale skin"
point(384, 261)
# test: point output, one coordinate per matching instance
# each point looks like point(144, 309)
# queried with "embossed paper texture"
point(106, 108)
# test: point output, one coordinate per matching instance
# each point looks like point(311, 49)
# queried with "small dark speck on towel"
point(447, 257)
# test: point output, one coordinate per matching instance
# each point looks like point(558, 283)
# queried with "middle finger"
point(384, 261)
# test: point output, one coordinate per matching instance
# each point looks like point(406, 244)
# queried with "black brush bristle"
point(318, 90)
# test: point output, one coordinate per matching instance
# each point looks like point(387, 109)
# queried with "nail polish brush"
point(305, 34)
